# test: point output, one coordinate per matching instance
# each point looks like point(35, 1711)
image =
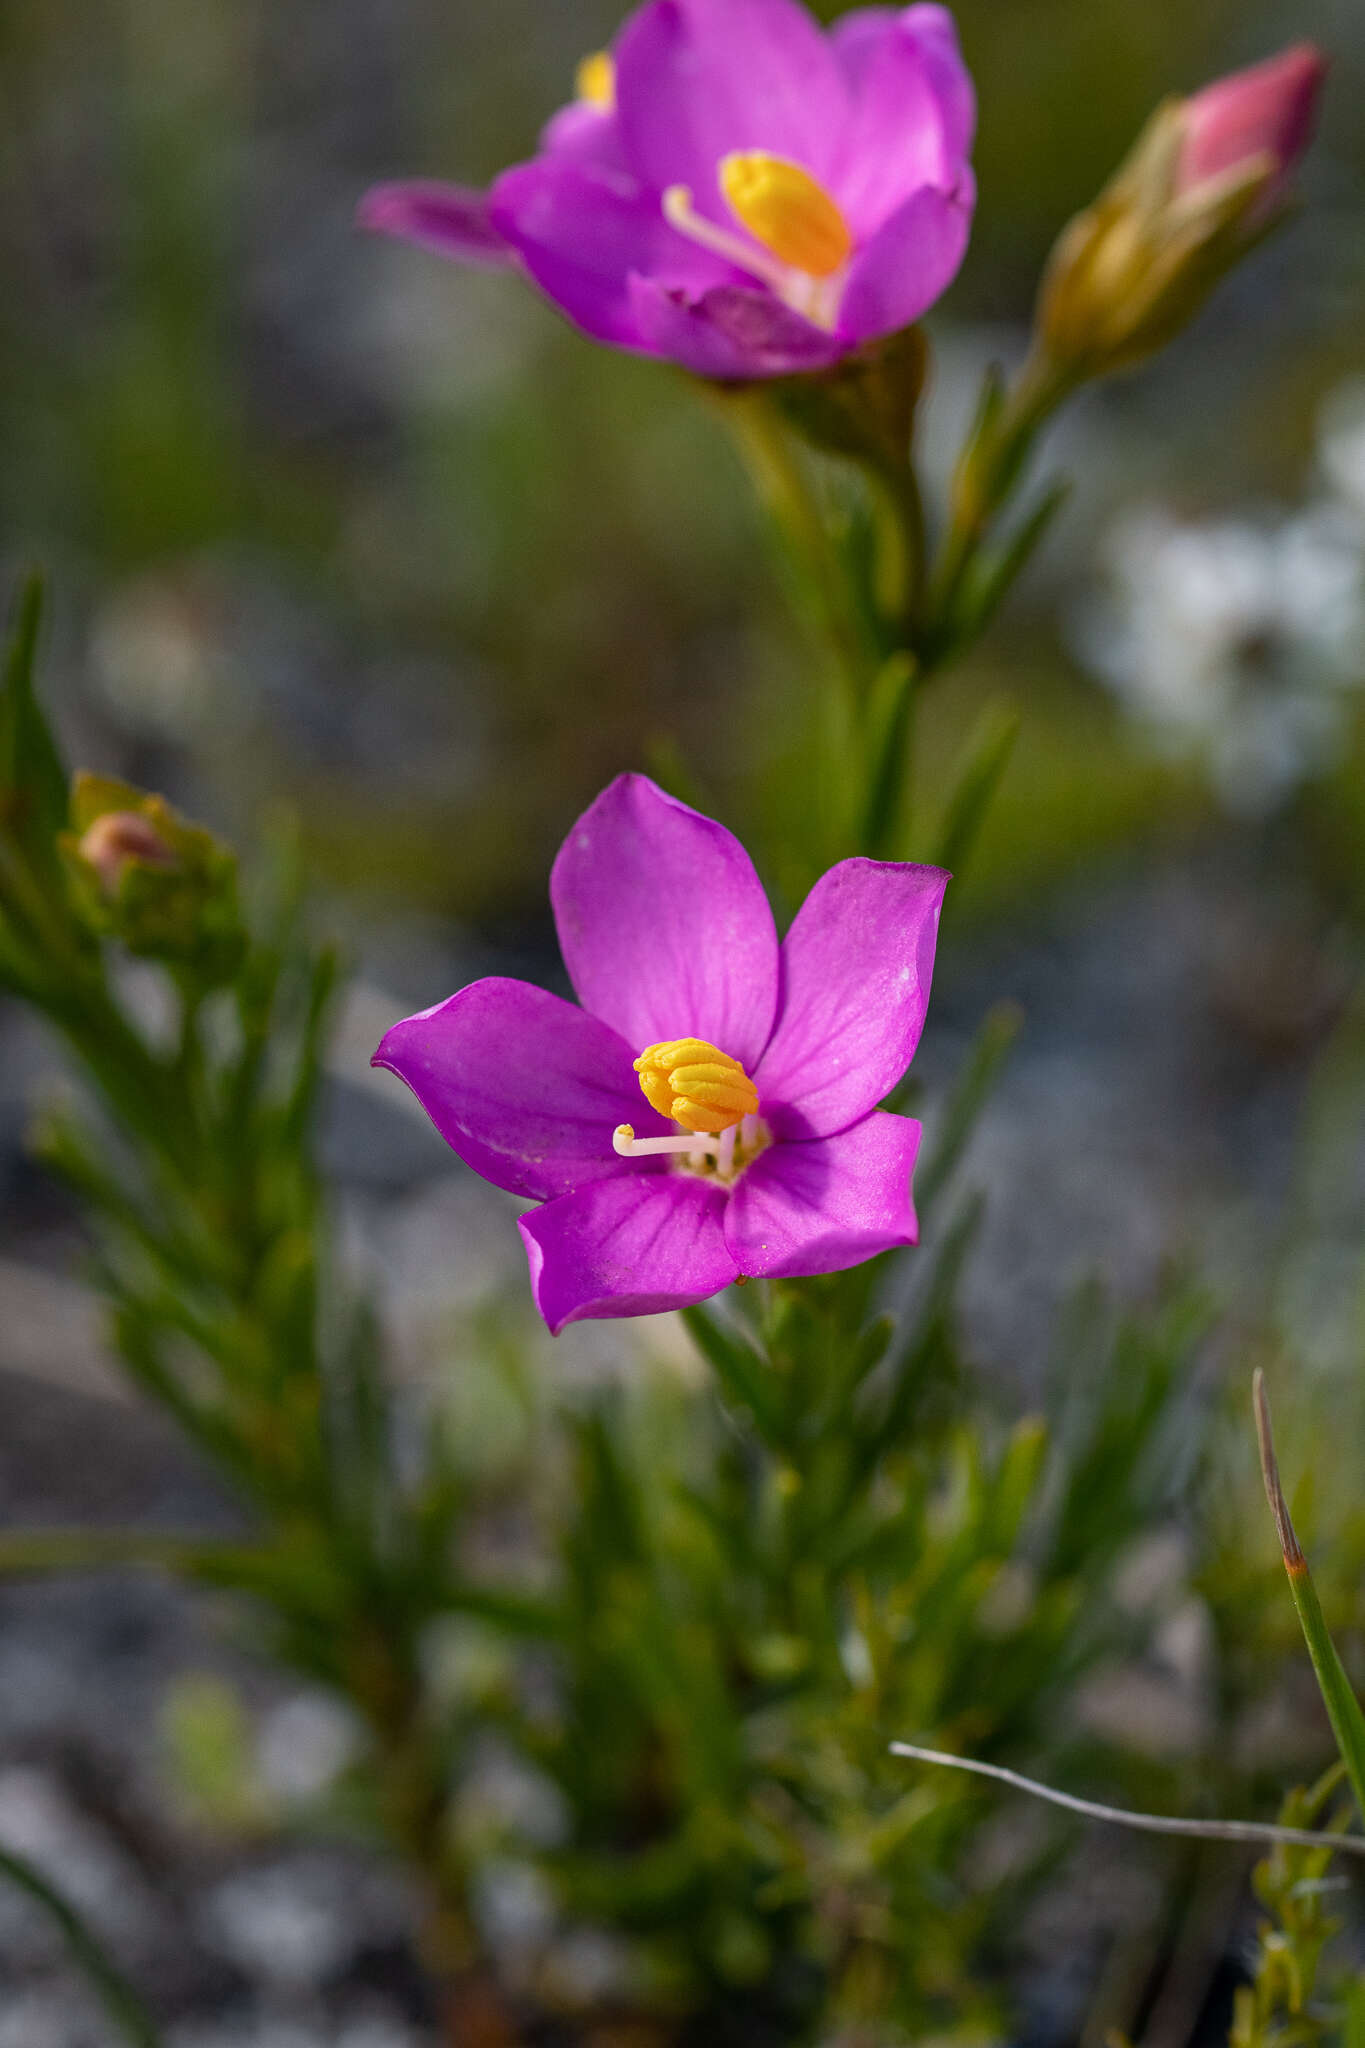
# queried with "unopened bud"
point(118, 838)
point(1206, 179)
point(1267, 111)
point(143, 875)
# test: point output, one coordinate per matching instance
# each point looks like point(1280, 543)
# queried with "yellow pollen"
point(787, 210)
point(696, 1085)
point(596, 81)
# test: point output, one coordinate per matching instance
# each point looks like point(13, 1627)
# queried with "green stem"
point(141, 1090)
point(889, 745)
point(902, 546)
point(785, 489)
point(985, 482)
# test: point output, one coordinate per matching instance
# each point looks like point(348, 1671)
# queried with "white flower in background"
point(1236, 642)
point(304, 1745)
point(1341, 445)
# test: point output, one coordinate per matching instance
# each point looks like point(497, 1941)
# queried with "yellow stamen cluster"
point(596, 81)
point(696, 1085)
point(787, 210)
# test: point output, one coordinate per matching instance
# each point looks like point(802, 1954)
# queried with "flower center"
point(696, 1084)
point(803, 241)
point(595, 82)
point(787, 210)
point(711, 1096)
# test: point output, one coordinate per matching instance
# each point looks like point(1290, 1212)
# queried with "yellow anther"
point(787, 210)
point(596, 81)
point(696, 1085)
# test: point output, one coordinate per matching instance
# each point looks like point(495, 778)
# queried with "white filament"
point(628, 1146)
point(680, 213)
point(815, 298)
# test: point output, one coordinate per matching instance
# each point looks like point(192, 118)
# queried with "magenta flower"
point(711, 1110)
point(734, 189)
point(1266, 112)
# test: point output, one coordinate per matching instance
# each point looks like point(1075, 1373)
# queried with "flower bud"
point(141, 874)
point(118, 838)
point(1206, 179)
point(1266, 111)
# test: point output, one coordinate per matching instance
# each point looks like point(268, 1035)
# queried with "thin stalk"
point(785, 488)
point(1145, 1823)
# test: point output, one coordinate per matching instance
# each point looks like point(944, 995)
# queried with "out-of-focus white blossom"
point(1341, 445)
point(1236, 642)
point(304, 1745)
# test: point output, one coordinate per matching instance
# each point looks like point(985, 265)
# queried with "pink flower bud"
point(1267, 111)
point(119, 837)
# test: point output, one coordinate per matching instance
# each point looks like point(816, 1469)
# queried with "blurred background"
point(334, 529)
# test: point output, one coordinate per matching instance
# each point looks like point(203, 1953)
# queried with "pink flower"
point(734, 189)
point(711, 1109)
point(1267, 111)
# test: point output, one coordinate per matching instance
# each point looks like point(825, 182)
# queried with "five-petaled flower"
point(734, 189)
point(711, 1111)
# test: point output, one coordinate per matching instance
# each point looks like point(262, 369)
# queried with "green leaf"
point(32, 778)
point(992, 579)
point(124, 2009)
point(1338, 1695)
point(971, 1092)
point(987, 758)
point(745, 1379)
point(1353, 2027)
point(888, 746)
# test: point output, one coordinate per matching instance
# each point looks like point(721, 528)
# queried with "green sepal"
point(864, 408)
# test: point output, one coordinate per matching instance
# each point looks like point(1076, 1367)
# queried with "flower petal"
point(585, 132)
point(856, 970)
point(526, 1088)
point(696, 79)
point(857, 37)
point(636, 1246)
point(731, 333)
point(936, 32)
point(910, 262)
point(913, 115)
point(664, 926)
point(583, 230)
point(454, 220)
point(828, 1204)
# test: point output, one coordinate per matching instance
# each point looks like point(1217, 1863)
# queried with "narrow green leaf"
point(1343, 1708)
point(1353, 2019)
point(125, 2010)
point(744, 1379)
point(33, 782)
point(890, 710)
point(988, 756)
point(992, 579)
point(971, 1092)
